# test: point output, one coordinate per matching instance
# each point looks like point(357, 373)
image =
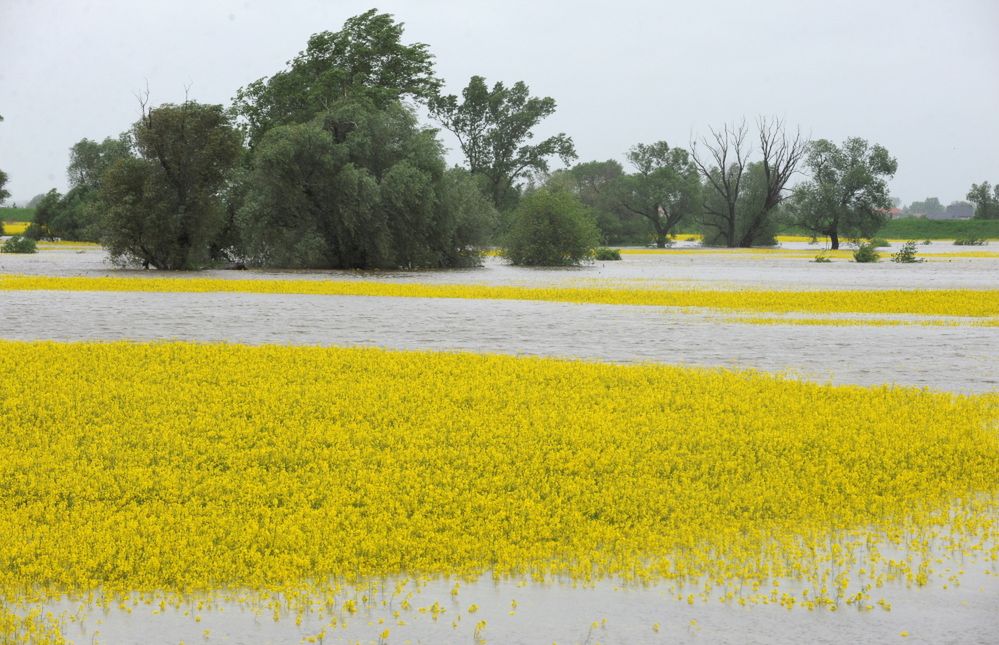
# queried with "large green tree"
point(847, 190)
point(365, 58)
point(360, 187)
point(986, 200)
point(163, 206)
point(742, 196)
point(494, 127)
point(664, 189)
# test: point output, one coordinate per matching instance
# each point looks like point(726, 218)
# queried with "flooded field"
point(959, 604)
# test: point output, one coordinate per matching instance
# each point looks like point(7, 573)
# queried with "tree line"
point(325, 164)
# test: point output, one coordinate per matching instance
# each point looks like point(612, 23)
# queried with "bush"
point(971, 241)
point(906, 254)
point(606, 254)
point(550, 228)
point(865, 253)
point(927, 242)
point(19, 244)
point(880, 243)
point(823, 256)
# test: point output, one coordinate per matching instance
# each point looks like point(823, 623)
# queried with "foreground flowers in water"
point(182, 468)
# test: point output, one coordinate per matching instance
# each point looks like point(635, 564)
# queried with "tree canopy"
point(494, 127)
point(986, 200)
point(360, 187)
point(366, 59)
point(4, 194)
point(847, 191)
point(664, 189)
point(163, 205)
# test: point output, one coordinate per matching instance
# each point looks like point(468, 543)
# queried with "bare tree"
point(723, 170)
point(741, 196)
point(781, 155)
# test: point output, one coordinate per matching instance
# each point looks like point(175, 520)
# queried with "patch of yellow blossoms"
point(982, 303)
point(186, 468)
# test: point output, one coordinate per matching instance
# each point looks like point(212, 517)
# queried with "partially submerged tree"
point(365, 59)
point(360, 187)
point(163, 207)
point(494, 127)
point(739, 206)
point(847, 192)
point(986, 200)
point(550, 228)
point(664, 189)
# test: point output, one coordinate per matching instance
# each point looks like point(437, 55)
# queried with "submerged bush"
point(971, 241)
point(605, 254)
point(880, 242)
point(906, 254)
point(551, 228)
point(20, 244)
point(866, 253)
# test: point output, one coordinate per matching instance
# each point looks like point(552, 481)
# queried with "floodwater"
point(959, 359)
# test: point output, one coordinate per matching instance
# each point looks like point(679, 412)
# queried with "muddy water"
point(964, 359)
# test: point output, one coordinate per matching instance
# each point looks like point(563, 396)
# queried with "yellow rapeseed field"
point(182, 468)
point(939, 302)
point(15, 228)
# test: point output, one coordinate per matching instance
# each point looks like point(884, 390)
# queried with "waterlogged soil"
point(959, 359)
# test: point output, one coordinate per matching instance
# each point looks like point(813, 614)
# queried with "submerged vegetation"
point(277, 468)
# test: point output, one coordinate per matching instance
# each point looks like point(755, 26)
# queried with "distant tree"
point(550, 228)
point(365, 59)
point(664, 189)
point(4, 194)
point(847, 191)
point(739, 206)
point(986, 200)
point(89, 160)
point(960, 210)
point(928, 207)
point(493, 127)
point(360, 187)
point(47, 209)
point(33, 202)
point(163, 207)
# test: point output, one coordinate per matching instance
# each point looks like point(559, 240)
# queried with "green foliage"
point(360, 187)
point(4, 193)
point(605, 254)
point(912, 228)
point(10, 214)
point(880, 243)
point(971, 241)
point(19, 244)
point(752, 224)
point(822, 256)
point(366, 60)
point(494, 128)
point(986, 200)
point(163, 207)
point(664, 190)
point(929, 206)
point(550, 228)
point(906, 254)
point(847, 193)
point(866, 253)
point(594, 183)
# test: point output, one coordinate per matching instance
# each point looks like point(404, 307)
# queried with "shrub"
point(865, 253)
point(550, 228)
point(906, 254)
point(823, 256)
point(927, 242)
point(19, 244)
point(971, 241)
point(606, 254)
point(880, 243)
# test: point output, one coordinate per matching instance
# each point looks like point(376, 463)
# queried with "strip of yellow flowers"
point(184, 468)
point(945, 302)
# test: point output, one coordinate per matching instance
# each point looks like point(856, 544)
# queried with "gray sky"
point(921, 78)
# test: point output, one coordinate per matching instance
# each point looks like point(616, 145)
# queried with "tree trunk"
point(660, 239)
point(834, 240)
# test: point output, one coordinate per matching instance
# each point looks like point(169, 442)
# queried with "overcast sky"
point(921, 78)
